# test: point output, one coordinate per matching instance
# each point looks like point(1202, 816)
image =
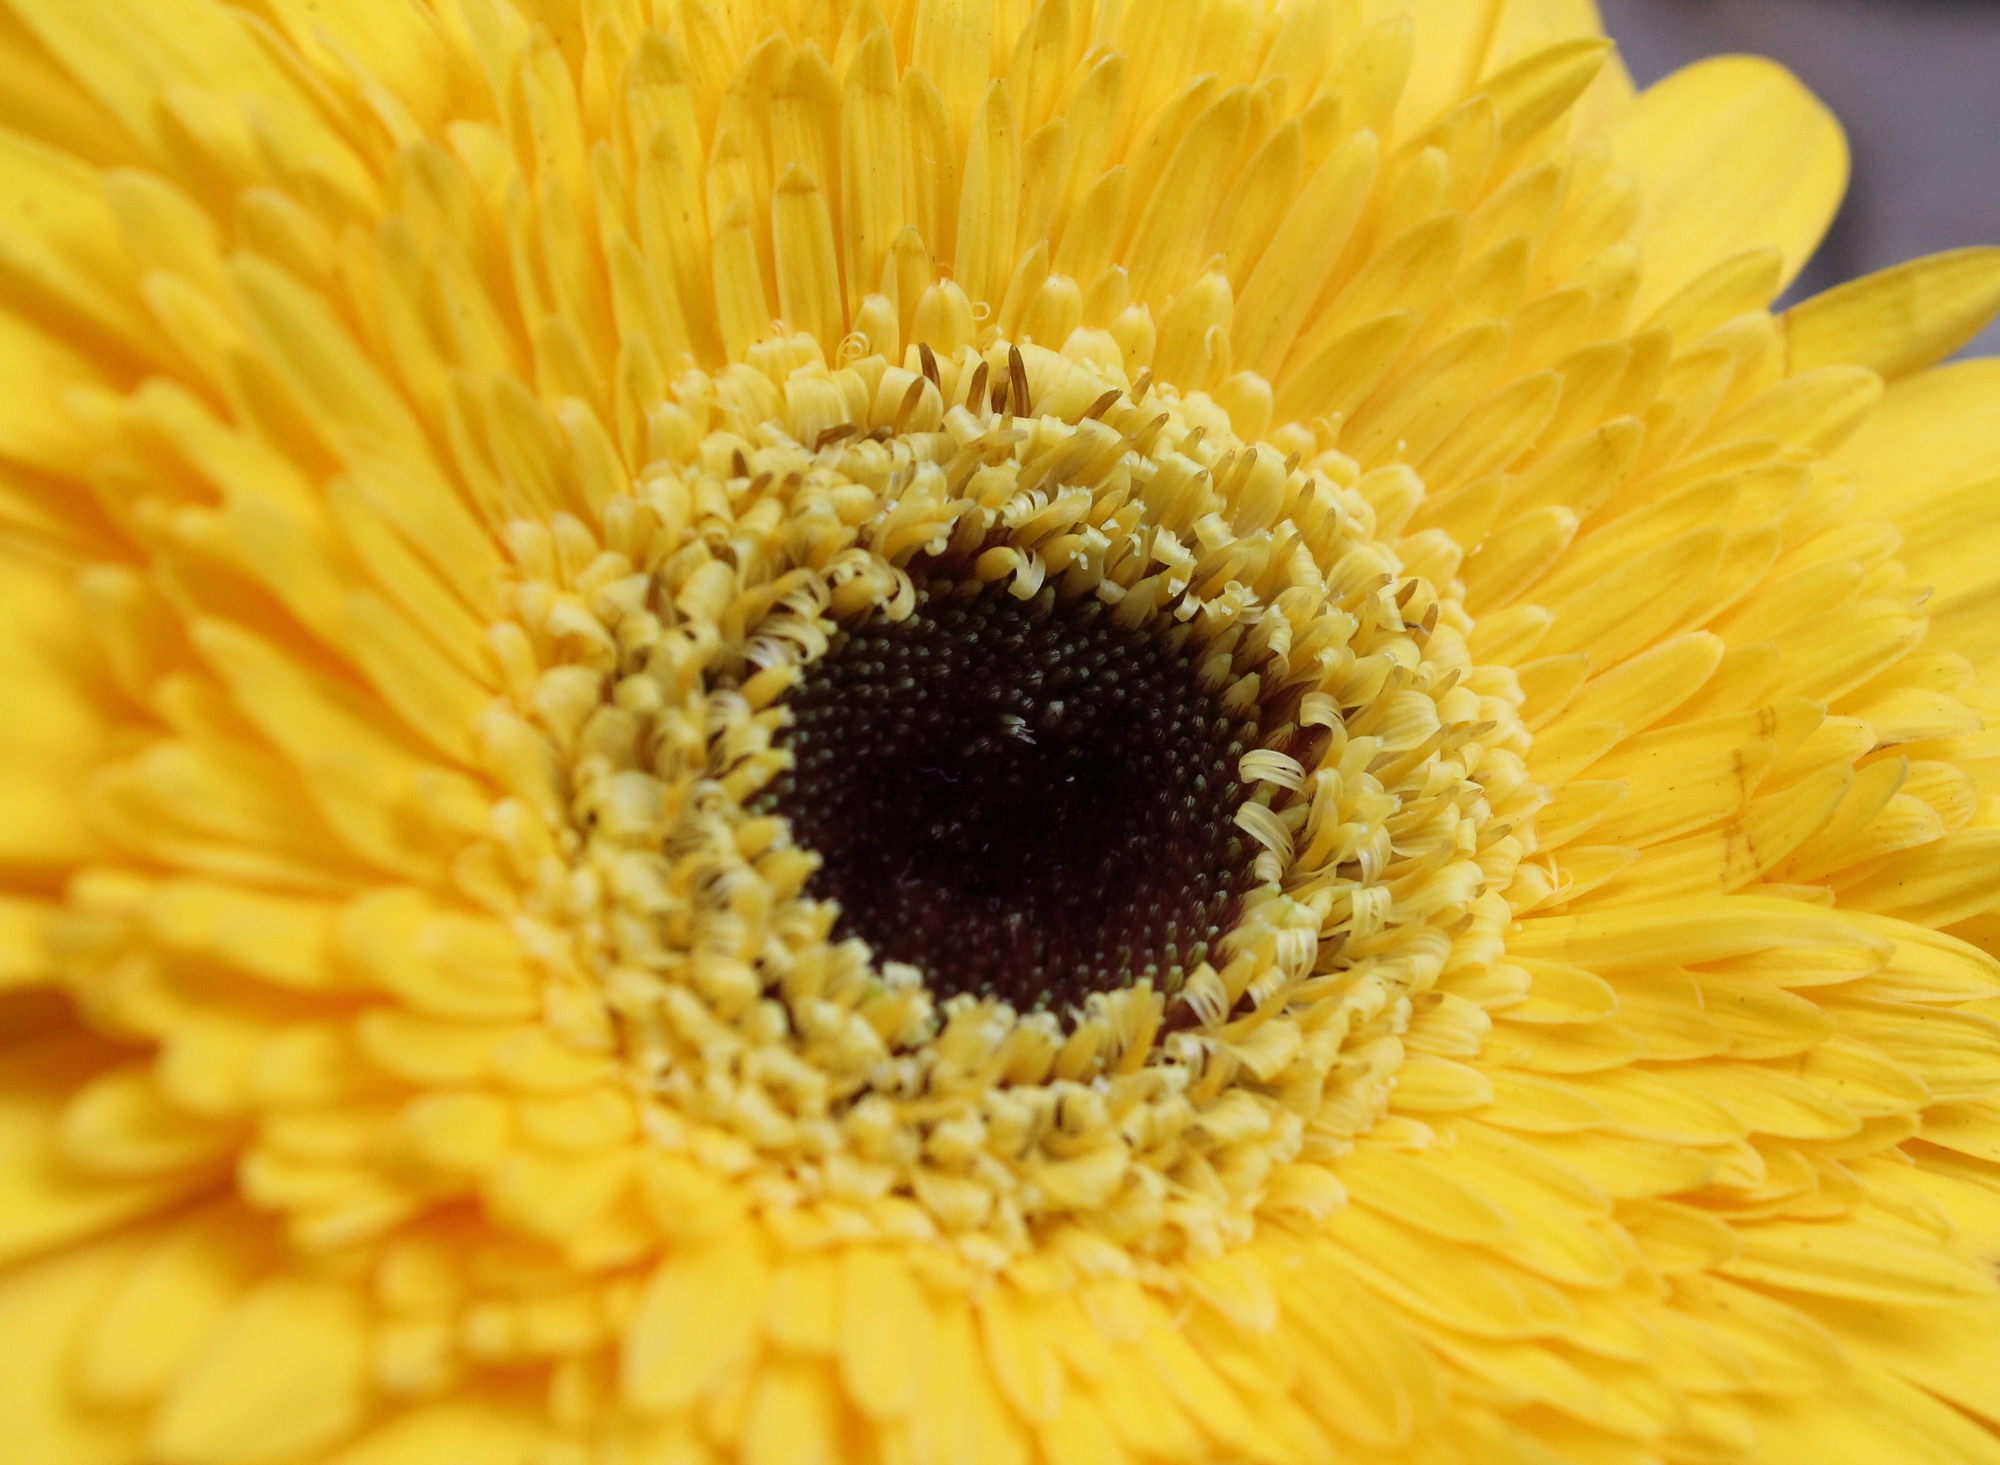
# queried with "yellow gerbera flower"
point(941, 731)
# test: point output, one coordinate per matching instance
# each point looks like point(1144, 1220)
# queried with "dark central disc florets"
point(1024, 801)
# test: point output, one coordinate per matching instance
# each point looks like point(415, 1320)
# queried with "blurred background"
point(1916, 83)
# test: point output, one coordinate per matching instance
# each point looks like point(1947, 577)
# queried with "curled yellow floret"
point(956, 731)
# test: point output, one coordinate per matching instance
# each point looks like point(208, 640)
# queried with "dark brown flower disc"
point(1025, 801)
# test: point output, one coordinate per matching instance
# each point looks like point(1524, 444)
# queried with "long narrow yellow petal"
point(809, 297)
point(1173, 225)
point(1937, 884)
point(1899, 320)
point(872, 166)
point(48, 1203)
point(47, 1418)
point(63, 252)
point(1450, 48)
point(1726, 859)
point(288, 1365)
point(983, 245)
point(1706, 195)
point(34, 427)
point(1934, 482)
point(1301, 254)
point(1412, 412)
point(61, 719)
point(127, 52)
point(1543, 84)
point(1688, 931)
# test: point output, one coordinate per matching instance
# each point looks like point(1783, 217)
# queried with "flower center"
point(1025, 800)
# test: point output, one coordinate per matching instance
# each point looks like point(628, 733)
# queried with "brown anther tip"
point(834, 434)
point(739, 466)
point(1142, 386)
point(1017, 373)
point(1102, 405)
point(977, 389)
point(1142, 440)
point(929, 362)
point(1001, 390)
point(911, 399)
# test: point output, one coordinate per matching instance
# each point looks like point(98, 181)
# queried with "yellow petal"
point(286, 1373)
point(1165, 248)
point(1899, 320)
point(44, 102)
point(1629, 1167)
point(126, 53)
point(229, 810)
point(1639, 692)
point(356, 769)
point(1424, 1195)
point(25, 959)
point(43, 1309)
point(283, 940)
point(1912, 447)
point(59, 717)
point(1677, 1237)
point(695, 1318)
point(1611, 628)
point(63, 257)
point(1938, 884)
point(1816, 411)
point(1532, 92)
point(1301, 254)
point(1360, 1370)
point(1453, 1285)
point(441, 963)
point(1726, 859)
point(35, 428)
point(1414, 411)
point(1871, 1417)
point(959, 1412)
point(1448, 50)
point(466, 1430)
point(1937, 483)
point(396, 46)
point(1743, 282)
point(885, 1327)
point(1686, 932)
point(120, 1123)
point(1218, 1409)
point(1706, 195)
point(794, 1416)
point(46, 1202)
point(1024, 1360)
point(431, 691)
point(1950, 1351)
point(169, 1303)
point(1079, 1435)
point(1777, 1104)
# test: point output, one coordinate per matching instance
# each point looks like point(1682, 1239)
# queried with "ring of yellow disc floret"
point(787, 498)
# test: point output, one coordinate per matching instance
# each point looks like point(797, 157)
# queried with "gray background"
point(1916, 83)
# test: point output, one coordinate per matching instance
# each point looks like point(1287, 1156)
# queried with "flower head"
point(785, 732)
